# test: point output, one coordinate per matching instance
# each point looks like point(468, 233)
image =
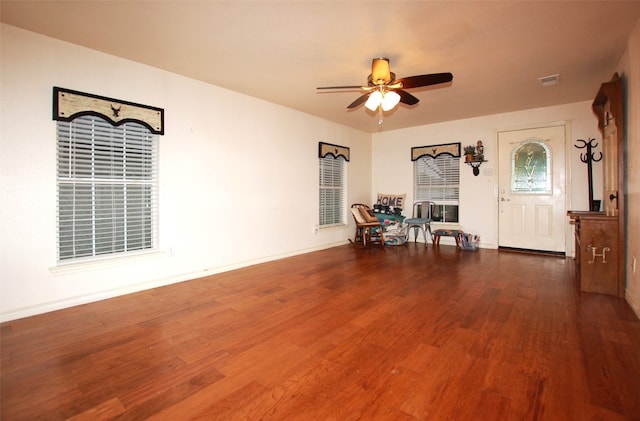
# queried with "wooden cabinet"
point(597, 253)
point(600, 236)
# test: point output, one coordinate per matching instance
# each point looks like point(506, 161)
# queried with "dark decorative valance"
point(325, 149)
point(68, 104)
point(433, 151)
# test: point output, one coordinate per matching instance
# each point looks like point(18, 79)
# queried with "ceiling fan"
point(383, 91)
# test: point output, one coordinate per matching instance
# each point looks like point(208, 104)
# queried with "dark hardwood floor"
point(401, 333)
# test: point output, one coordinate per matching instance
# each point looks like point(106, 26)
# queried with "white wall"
point(629, 69)
point(478, 211)
point(238, 176)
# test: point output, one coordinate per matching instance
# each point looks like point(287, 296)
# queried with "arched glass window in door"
point(531, 168)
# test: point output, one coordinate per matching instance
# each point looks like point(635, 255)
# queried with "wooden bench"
point(436, 234)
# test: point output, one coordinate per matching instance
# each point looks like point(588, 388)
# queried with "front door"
point(531, 177)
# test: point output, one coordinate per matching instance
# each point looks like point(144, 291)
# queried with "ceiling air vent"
point(549, 80)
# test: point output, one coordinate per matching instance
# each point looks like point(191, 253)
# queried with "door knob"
point(502, 199)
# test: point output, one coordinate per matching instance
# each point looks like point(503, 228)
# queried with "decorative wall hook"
point(476, 166)
point(588, 158)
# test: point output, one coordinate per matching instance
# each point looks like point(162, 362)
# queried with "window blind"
point(107, 188)
point(331, 182)
point(437, 179)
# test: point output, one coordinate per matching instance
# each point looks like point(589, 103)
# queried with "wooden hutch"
point(599, 236)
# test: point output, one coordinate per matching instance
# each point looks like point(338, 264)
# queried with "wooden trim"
point(611, 94)
point(69, 104)
point(326, 149)
point(433, 151)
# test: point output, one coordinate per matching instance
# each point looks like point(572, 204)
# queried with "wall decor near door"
point(474, 156)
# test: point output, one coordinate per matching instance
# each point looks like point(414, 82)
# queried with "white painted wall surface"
point(629, 69)
point(238, 176)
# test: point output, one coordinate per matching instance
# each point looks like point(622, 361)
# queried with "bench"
point(436, 234)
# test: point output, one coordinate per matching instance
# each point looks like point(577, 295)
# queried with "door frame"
point(568, 229)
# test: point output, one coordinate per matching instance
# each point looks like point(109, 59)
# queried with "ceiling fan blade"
point(425, 80)
point(359, 101)
point(406, 97)
point(341, 87)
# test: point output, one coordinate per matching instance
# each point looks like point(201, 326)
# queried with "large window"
point(107, 188)
point(438, 179)
point(332, 191)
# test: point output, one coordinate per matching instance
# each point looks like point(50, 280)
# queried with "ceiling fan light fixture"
point(386, 100)
point(389, 100)
point(380, 71)
point(374, 100)
point(380, 95)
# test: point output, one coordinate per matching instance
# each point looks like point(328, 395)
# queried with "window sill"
point(446, 225)
point(63, 268)
point(325, 227)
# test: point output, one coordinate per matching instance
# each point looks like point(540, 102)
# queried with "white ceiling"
point(281, 51)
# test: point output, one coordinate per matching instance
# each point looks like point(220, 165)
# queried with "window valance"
point(433, 151)
point(68, 104)
point(326, 149)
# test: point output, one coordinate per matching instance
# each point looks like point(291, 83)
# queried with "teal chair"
point(420, 220)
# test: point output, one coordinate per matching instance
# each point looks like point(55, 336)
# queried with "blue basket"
point(470, 247)
point(468, 241)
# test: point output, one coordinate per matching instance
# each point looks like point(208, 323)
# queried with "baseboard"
point(156, 283)
point(91, 298)
point(634, 306)
point(530, 251)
